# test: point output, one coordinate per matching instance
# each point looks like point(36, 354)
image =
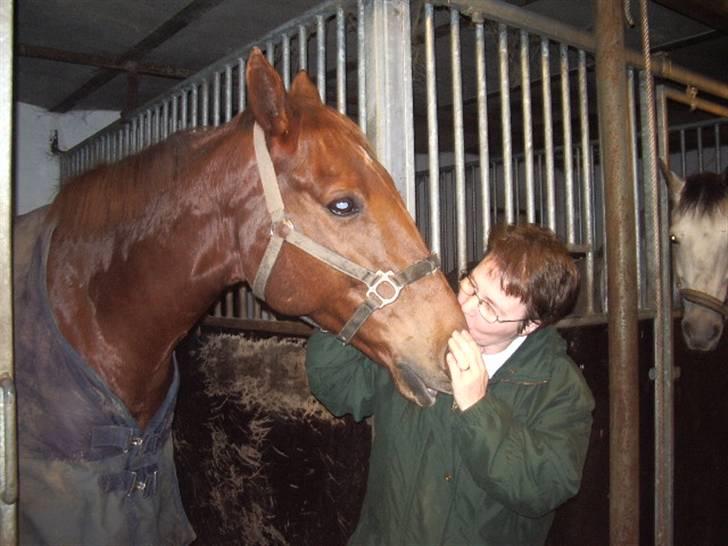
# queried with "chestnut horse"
point(699, 237)
point(287, 196)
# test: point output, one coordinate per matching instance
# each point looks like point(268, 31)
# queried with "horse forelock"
point(705, 193)
point(340, 141)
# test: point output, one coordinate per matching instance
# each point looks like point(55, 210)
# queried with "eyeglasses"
point(486, 310)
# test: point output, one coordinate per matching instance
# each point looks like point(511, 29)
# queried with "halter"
point(282, 229)
point(705, 300)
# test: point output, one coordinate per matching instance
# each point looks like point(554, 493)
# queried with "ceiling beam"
point(100, 61)
point(189, 14)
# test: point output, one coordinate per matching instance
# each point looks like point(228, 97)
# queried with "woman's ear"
point(531, 326)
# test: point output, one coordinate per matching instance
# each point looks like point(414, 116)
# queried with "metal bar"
point(216, 85)
point(505, 103)
point(241, 84)
point(458, 141)
point(548, 136)
point(624, 506)
point(156, 125)
point(361, 67)
point(663, 343)
point(586, 182)
point(644, 301)
point(205, 107)
point(699, 134)
point(302, 47)
point(340, 60)
point(695, 102)
point(566, 129)
point(432, 131)
point(165, 119)
point(8, 443)
point(527, 126)
point(483, 148)
point(174, 118)
point(390, 126)
point(194, 103)
point(147, 131)
point(228, 93)
point(321, 56)
point(286, 52)
point(125, 142)
point(184, 106)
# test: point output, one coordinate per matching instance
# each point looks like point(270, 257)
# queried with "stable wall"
point(36, 168)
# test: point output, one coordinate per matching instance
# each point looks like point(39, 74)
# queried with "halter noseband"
point(282, 229)
point(705, 300)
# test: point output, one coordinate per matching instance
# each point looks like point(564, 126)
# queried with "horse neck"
point(125, 299)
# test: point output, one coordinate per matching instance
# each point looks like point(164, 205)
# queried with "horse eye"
point(345, 206)
point(673, 239)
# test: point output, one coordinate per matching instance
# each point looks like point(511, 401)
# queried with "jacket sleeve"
point(530, 463)
point(341, 377)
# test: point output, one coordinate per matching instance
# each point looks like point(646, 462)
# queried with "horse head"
point(699, 237)
point(343, 241)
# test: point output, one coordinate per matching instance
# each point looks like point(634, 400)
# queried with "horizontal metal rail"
point(551, 28)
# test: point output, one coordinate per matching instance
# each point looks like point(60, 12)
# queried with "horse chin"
point(420, 392)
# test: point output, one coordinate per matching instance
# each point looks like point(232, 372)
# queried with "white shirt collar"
point(493, 362)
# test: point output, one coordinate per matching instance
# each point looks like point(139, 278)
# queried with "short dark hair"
point(535, 266)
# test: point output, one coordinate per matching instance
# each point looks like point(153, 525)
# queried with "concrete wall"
point(36, 169)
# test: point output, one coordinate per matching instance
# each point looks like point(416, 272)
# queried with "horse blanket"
point(88, 474)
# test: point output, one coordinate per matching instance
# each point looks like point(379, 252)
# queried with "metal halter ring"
point(384, 277)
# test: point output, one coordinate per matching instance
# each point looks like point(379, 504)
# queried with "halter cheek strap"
point(379, 283)
point(706, 300)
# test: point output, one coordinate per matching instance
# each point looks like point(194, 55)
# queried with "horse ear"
point(266, 95)
point(302, 86)
point(674, 183)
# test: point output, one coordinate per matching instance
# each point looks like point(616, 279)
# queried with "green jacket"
point(490, 475)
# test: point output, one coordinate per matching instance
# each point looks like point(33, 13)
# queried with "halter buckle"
point(380, 278)
point(282, 227)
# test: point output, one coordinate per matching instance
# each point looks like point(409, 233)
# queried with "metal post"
point(624, 477)
point(389, 91)
point(663, 341)
point(8, 456)
point(461, 255)
point(433, 152)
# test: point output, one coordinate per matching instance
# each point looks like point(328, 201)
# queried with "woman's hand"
point(467, 370)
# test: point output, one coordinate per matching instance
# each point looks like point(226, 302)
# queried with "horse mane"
point(119, 194)
point(705, 193)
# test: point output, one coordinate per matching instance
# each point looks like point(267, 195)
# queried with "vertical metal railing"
point(8, 443)
point(502, 171)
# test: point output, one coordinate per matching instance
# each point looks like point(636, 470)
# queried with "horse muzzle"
point(423, 391)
